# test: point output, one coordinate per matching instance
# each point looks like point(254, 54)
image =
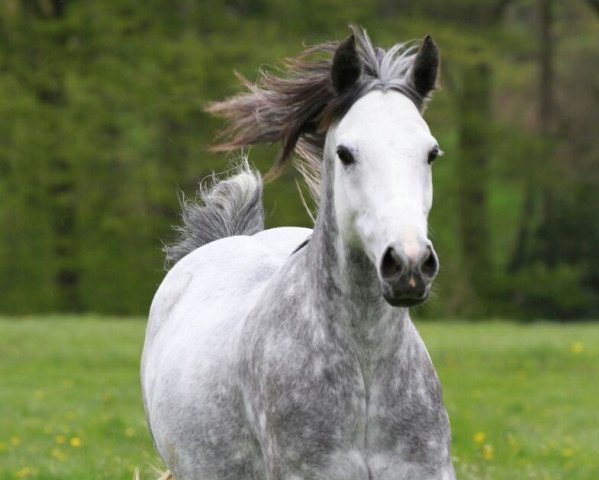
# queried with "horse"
point(289, 353)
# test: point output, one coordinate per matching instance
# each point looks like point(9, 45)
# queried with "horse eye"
point(434, 153)
point(345, 156)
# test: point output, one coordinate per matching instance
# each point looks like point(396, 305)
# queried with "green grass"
point(523, 399)
point(531, 391)
point(69, 379)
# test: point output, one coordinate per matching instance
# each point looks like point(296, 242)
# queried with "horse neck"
point(345, 282)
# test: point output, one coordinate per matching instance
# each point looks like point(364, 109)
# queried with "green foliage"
point(532, 292)
point(513, 394)
point(102, 103)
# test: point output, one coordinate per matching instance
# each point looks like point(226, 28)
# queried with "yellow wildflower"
point(479, 437)
point(24, 472)
point(75, 442)
point(513, 442)
point(58, 454)
point(488, 452)
point(576, 348)
point(567, 452)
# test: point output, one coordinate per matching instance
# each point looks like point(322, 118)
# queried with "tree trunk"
point(523, 251)
point(474, 112)
point(61, 182)
point(546, 75)
point(549, 217)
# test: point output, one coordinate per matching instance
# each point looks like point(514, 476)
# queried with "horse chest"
point(329, 394)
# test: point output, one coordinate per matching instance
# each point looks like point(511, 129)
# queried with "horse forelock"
point(297, 105)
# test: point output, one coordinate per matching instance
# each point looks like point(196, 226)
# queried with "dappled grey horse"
point(289, 353)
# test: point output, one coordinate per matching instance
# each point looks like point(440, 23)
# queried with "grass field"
point(523, 400)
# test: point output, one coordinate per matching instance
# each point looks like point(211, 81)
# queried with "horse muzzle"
point(406, 280)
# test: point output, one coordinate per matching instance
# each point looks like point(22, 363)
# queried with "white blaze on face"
point(383, 198)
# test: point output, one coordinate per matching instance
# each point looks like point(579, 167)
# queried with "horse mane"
point(297, 107)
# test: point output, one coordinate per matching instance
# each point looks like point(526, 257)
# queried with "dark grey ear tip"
point(426, 67)
point(429, 44)
point(346, 68)
point(349, 42)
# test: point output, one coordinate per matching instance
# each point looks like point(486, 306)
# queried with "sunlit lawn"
point(523, 400)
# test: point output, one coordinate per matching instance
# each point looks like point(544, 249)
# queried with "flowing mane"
point(297, 107)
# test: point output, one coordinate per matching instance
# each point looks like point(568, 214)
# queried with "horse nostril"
point(430, 264)
point(391, 265)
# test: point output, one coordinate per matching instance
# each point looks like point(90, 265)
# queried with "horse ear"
point(346, 69)
point(426, 67)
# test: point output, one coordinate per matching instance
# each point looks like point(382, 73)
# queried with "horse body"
point(272, 376)
point(269, 359)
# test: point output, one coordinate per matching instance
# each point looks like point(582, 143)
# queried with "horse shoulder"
point(203, 299)
point(215, 273)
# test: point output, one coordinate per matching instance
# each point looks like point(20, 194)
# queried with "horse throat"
point(346, 283)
